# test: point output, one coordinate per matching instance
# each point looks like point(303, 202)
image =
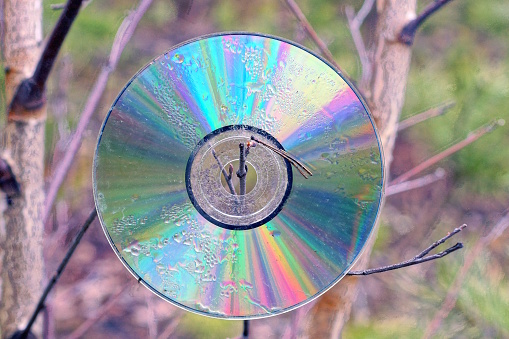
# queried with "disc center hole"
point(251, 177)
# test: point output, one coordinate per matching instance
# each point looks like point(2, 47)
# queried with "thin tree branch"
point(407, 34)
point(355, 23)
point(439, 242)
point(30, 92)
point(419, 258)
point(242, 171)
point(473, 136)
point(431, 113)
point(55, 42)
point(40, 305)
point(227, 177)
point(124, 33)
point(245, 330)
point(408, 263)
point(452, 294)
point(99, 314)
point(416, 183)
point(312, 34)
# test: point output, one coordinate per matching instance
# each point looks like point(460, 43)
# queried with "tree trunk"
point(21, 236)
point(385, 93)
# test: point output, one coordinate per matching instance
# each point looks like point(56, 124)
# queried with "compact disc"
point(171, 140)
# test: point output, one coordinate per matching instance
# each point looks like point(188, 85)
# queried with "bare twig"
point(419, 258)
point(431, 113)
point(40, 305)
point(124, 33)
point(99, 314)
point(30, 92)
point(227, 177)
point(452, 295)
point(355, 23)
point(439, 242)
point(245, 330)
point(242, 171)
point(55, 41)
point(408, 263)
point(407, 34)
point(473, 136)
point(312, 34)
point(294, 161)
point(413, 184)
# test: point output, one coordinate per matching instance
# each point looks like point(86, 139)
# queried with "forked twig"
point(419, 258)
point(439, 242)
point(452, 294)
point(355, 23)
point(294, 161)
point(227, 177)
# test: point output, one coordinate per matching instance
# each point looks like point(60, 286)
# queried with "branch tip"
point(420, 258)
point(311, 33)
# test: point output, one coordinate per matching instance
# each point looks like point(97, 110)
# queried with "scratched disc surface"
point(168, 211)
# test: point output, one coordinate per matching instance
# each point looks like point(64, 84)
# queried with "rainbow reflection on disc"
point(169, 217)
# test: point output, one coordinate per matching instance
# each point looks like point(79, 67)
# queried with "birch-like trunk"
point(385, 93)
point(21, 235)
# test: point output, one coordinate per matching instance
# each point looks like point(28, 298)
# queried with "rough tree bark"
point(21, 259)
point(385, 93)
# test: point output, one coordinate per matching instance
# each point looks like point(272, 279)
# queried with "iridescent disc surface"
point(170, 220)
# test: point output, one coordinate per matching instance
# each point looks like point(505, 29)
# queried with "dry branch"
point(472, 255)
point(303, 21)
point(431, 113)
point(227, 176)
point(417, 183)
point(40, 305)
point(355, 23)
point(419, 258)
point(123, 36)
point(242, 171)
point(473, 136)
point(384, 93)
point(407, 34)
point(245, 329)
point(30, 93)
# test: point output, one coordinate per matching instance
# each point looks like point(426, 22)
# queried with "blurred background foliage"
point(460, 55)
